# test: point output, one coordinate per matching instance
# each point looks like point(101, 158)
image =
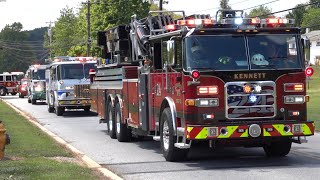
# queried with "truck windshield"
point(38, 74)
point(216, 53)
point(229, 52)
point(75, 71)
point(273, 52)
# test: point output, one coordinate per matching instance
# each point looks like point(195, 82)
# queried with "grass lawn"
point(34, 155)
point(314, 93)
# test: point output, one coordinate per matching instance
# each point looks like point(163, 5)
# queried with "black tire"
point(278, 148)
point(86, 109)
point(29, 100)
point(111, 122)
point(50, 108)
point(59, 111)
point(167, 139)
point(33, 101)
point(3, 91)
point(13, 94)
point(123, 133)
point(21, 96)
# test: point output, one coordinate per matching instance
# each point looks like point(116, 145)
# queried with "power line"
point(17, 49)
point(290, 9)
point(261, 4)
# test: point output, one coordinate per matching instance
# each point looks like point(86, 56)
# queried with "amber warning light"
point(309, 71)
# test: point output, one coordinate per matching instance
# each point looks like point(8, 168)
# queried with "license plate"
point(212, 131)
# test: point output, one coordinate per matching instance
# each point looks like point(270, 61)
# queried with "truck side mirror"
point(92, 74)
point(171, 53)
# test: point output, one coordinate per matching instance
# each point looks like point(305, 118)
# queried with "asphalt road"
point(143, 159)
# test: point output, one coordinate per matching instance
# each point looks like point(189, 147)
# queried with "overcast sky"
point(35, 13)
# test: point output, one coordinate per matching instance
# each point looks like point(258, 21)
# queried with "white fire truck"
point(61, 76)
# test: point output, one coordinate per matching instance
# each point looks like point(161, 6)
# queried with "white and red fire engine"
point(9, 82)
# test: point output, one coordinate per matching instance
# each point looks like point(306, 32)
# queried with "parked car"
point(23, 88)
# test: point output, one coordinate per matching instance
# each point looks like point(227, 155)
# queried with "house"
point(314, 37)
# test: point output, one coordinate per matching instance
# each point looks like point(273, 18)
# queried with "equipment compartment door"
point(143, 102)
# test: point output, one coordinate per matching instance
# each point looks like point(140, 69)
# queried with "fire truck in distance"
point(61, 76)
point(233, 82)
point(36, 83)
point(9, 82)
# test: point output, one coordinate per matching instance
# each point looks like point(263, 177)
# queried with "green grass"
point(314, 92)
point(27, 157)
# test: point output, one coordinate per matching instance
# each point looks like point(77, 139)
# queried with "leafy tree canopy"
point(260, 12)
point(311, 19)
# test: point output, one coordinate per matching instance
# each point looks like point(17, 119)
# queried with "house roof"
point(313, 35)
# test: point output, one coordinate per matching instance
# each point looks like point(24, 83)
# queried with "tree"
point(317, 5)
point(224, 4)
point(16, 53)
point(297, 14)
point(64, 32)
point(311, 19)
point(260, 12)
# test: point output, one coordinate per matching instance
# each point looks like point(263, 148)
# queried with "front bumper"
point(39, 95)
point(75, 103)
point(292, 129)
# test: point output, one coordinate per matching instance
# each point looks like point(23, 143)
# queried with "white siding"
point(314, 51)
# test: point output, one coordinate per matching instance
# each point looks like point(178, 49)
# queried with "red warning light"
point(195, 74)
point(309, 71)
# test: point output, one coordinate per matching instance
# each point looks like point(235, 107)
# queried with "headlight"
point(294, 99)
point(23, 88)
point(207, 102)
point(69, 87)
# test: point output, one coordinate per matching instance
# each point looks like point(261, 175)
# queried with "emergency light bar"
point(195, 22)
point(81, 59)
point(238, 21)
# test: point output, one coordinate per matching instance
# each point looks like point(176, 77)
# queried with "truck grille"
point(82, 90)
point(253, 104)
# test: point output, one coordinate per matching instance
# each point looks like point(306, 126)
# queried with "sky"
point(36, 13)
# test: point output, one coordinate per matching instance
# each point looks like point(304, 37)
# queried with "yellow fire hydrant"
point(4, 139)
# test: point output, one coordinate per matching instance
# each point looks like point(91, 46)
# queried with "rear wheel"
point(278, 148)
point(3, 91)
point(29, 100)
point(13, 93)
point(167, 139)
point(111, 121)
point(123, 133)
point(59, 111)
point(21, 96)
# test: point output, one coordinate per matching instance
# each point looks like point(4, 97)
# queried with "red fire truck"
point(9, 82)
point(232, 82)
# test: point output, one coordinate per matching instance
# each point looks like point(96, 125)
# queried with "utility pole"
point(50, 36)
point(88, 3)
point(160, 5)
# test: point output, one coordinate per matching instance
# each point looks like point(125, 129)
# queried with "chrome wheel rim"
point(165, 135)
point(110, 120)
point(118, 123)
